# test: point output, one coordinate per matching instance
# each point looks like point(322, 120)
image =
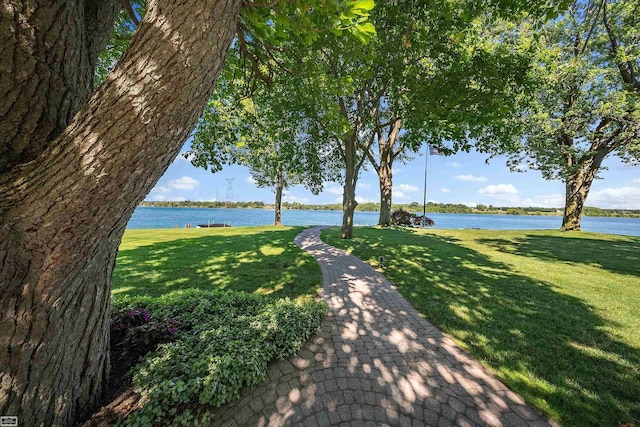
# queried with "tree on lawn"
point(435, 73)
point(587, 104)
point(252, 129)
point(75, 162)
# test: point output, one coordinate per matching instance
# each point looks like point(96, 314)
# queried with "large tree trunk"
point(577, 188)
point(349, 202)
point(278, 206)
point(387, 154)
point(49, 52)
point(65, 204)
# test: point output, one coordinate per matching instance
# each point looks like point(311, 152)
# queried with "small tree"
point(253, 129)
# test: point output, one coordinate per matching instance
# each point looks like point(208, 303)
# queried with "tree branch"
point(593, 26)
point(132, 14)
point(627, 73)
point(242, 43)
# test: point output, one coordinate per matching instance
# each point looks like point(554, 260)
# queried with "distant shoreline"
point(412, 207)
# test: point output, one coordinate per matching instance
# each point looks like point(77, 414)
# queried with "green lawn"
point(220, 341)
point(260, 260)
point(555, 315)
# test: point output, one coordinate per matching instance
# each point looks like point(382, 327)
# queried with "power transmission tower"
point(230, 191)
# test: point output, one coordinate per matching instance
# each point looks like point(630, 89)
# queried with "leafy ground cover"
point(223, 341)
point(260, 260)
point(218, 304)
point(555, 315)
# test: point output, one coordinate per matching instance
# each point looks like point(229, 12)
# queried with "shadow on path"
point(552, 348)
point(376, 361)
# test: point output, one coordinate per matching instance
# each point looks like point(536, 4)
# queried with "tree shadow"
point(551, 348)
point(266, 263)
point(371, 363)
point(621, 255)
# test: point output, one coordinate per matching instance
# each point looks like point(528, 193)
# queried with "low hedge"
point(222, 341)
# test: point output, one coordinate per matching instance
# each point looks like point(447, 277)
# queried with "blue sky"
point(462, 178)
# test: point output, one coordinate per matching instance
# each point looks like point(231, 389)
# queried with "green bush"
point(224, 341)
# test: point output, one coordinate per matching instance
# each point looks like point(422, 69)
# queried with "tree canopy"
point(586, 102)
point(437, 73)
point(249, 128)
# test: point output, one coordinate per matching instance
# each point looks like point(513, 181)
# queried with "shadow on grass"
point(620, 256)
point(266, 263)
point(549, 347)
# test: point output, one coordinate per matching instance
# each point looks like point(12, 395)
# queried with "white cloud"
point(627, 197)
point(361, 199)
point(396, 171)
point(470, 178)
point(161, 189)
point(250, 180)
point(408, 188)
point(445, 190)
point(334, 190)
point(397, 194)
point(454, 164)
point(364, 185)
point(499, 190)
point(184, 183)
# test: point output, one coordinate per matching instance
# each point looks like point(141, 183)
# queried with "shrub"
point(224, 342)
point(407, 219)
point(402, 218)
point(134, 333)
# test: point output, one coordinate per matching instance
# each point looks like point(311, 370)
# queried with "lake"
point(154, 217)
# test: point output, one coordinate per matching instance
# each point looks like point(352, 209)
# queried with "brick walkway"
point(374, 362)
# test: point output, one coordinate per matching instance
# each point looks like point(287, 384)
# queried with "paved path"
point(374, 362)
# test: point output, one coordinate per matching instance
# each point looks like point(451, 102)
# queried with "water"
point(152, 217)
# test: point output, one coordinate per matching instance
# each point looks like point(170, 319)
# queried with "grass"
point(259, 260)
point(555, 315)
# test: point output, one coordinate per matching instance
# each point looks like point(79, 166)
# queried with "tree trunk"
point(577, 188)
point(278, 206)
point(385, 168)
point(385, 177)
point(64, 207)
point(49, 52)
point(349, 202)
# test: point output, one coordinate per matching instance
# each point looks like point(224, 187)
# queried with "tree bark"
point(65, 205)
point(50, 49)
point(349, 202)
point(385, 170)
point(577, 187)
point(278, 205)
point(385, 178)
